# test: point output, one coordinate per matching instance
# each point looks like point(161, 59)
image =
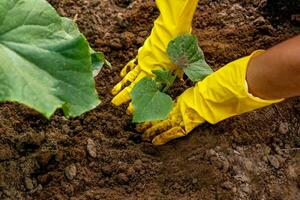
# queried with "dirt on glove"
point(100, 156)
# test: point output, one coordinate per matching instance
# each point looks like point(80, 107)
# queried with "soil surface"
point(100, 156)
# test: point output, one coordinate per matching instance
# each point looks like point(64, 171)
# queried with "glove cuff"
point(258, 99)
point(224, 93)
point(251, 96)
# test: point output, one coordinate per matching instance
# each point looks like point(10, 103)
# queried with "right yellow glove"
point(175, 19)
point(220, 95)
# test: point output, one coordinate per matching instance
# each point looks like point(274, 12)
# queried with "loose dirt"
point(100, 156)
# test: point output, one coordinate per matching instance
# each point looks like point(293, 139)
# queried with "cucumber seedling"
point(150, 102)
point(149, 99)
point(185, 53)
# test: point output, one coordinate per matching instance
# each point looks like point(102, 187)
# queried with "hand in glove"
point(219, 96)
point(175, 19)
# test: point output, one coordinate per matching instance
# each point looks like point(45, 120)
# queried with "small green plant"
point(148, 96)
point(46, 63)
point(185, 52)
point(164, 79)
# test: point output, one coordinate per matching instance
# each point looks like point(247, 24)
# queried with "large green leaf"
point(45, 61)
point(98, 58)
point(98, 61)
point(185, 53)
point(148, 102)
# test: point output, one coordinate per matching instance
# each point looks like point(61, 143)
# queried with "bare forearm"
point(276, 73)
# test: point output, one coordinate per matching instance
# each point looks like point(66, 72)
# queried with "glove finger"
point(156, 129)
point(146, 125)
point(129, 66)
point(124, 95)
point(130, 77)
point(129, 110)
point(143, 127)
point(173, 133)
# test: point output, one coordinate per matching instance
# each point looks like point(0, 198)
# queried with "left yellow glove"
point(220, 95)
point(175, 19)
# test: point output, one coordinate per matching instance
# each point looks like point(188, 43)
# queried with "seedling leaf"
point(164, 78)
point(149, 103)
point(198, 70)
point(45, 60)
point(186, 54)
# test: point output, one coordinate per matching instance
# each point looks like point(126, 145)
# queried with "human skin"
point(275, 74)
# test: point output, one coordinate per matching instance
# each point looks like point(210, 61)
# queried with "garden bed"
point(100, 156)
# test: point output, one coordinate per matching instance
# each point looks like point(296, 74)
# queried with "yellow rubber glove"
point(175, 19)
point(219, 96)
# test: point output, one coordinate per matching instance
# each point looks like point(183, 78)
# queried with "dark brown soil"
point(100, 156)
